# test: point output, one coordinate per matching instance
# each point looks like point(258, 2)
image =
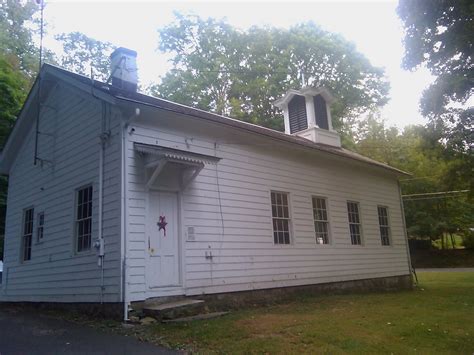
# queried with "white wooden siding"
point(55, 272)
point(235, 224)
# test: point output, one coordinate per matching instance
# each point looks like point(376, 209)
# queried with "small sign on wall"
point(190, 236)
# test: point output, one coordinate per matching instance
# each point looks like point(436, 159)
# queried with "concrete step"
point(175, 309)
point(196, 317)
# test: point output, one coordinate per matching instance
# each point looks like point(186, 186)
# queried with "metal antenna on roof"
point(302, 78)
point(41, 4)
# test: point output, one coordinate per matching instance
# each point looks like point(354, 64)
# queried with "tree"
point(440, 35)
point(14, 84)
point(13, 89)
point(18, 67)
point(81, 53)
point(435, 168)
point(16, 34)
point(240, 73)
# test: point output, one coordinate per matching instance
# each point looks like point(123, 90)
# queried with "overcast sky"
point(372, 25)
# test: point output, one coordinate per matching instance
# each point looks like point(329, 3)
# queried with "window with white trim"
point(321, 222)
point(355, 226)
point(40, 227)
point(384, 225)
point(28, 216)
point(281, 217)
point(83, 225)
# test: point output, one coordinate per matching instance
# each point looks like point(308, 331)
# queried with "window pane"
point(27, 234)
point(84, 218)
point(384, 226)
point(321, 224)
point(281, 217)
point(354, 222)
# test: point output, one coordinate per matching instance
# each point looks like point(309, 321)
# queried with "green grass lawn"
point(437, 317)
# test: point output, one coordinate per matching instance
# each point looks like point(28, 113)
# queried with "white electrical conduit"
point(100, 241)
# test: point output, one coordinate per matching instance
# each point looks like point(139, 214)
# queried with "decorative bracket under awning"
point(157, 158)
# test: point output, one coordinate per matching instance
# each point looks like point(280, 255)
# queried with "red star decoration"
point(162, 224)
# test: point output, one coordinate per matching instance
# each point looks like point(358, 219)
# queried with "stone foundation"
point(104, 310)
point(242, 299)
point(232, 300)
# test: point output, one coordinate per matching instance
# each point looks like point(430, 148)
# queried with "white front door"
point(163, 240)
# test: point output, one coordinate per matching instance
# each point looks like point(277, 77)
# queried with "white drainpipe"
point(100, 243)
point(124, 188)
point(124, 220)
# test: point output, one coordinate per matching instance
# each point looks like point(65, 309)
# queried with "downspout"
point(100, 243)
point(124, 127)
point(402, 209)
point(124, 204)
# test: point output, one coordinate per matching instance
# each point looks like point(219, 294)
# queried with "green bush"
point(468, 240)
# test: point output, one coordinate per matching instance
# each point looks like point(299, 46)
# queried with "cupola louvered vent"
point(307, 114)
point(297, 114)
point(320, 112)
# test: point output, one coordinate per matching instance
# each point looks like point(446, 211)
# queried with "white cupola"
point(306, 113)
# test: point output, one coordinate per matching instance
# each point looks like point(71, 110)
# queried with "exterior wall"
point(229, 207)
point(56, 273)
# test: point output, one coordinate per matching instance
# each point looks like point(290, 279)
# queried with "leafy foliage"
point(18, 66)
point(16, 35)
point(81, 53)
point(440, 35)
point(240, 73)
point(435, 168)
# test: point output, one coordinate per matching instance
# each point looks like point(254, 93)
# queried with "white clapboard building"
point(116, 197)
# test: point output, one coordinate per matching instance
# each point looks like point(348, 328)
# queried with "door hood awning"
point(174, 154)
point(156, 158)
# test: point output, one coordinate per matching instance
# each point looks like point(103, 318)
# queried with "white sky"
point(372, 25)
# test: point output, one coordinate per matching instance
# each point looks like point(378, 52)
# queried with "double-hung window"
point(384, 225)
point(280, 217)
point(40, 227)
point(83, 225)
point(355, 226)
point(27, 233)
point(321, 222)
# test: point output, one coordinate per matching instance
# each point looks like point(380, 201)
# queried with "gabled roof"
point(308, 90)
point(112, 94)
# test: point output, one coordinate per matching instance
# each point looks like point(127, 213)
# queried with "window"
point(27, 233)
point(321, 223)
point(84, 219)
point(384, 226)
point(355, 226)
point(281, 218)
point(40, 227)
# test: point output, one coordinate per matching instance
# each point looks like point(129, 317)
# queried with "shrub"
point(468, 240)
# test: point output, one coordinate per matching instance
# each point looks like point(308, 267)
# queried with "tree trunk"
point(452, 240)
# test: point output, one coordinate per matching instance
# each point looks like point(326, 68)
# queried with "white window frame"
point(359, 240)
point(321, 241)
point(388, 237)
point(27, 235)
point(80, 221)
point(39, 227)
point(275, 206)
